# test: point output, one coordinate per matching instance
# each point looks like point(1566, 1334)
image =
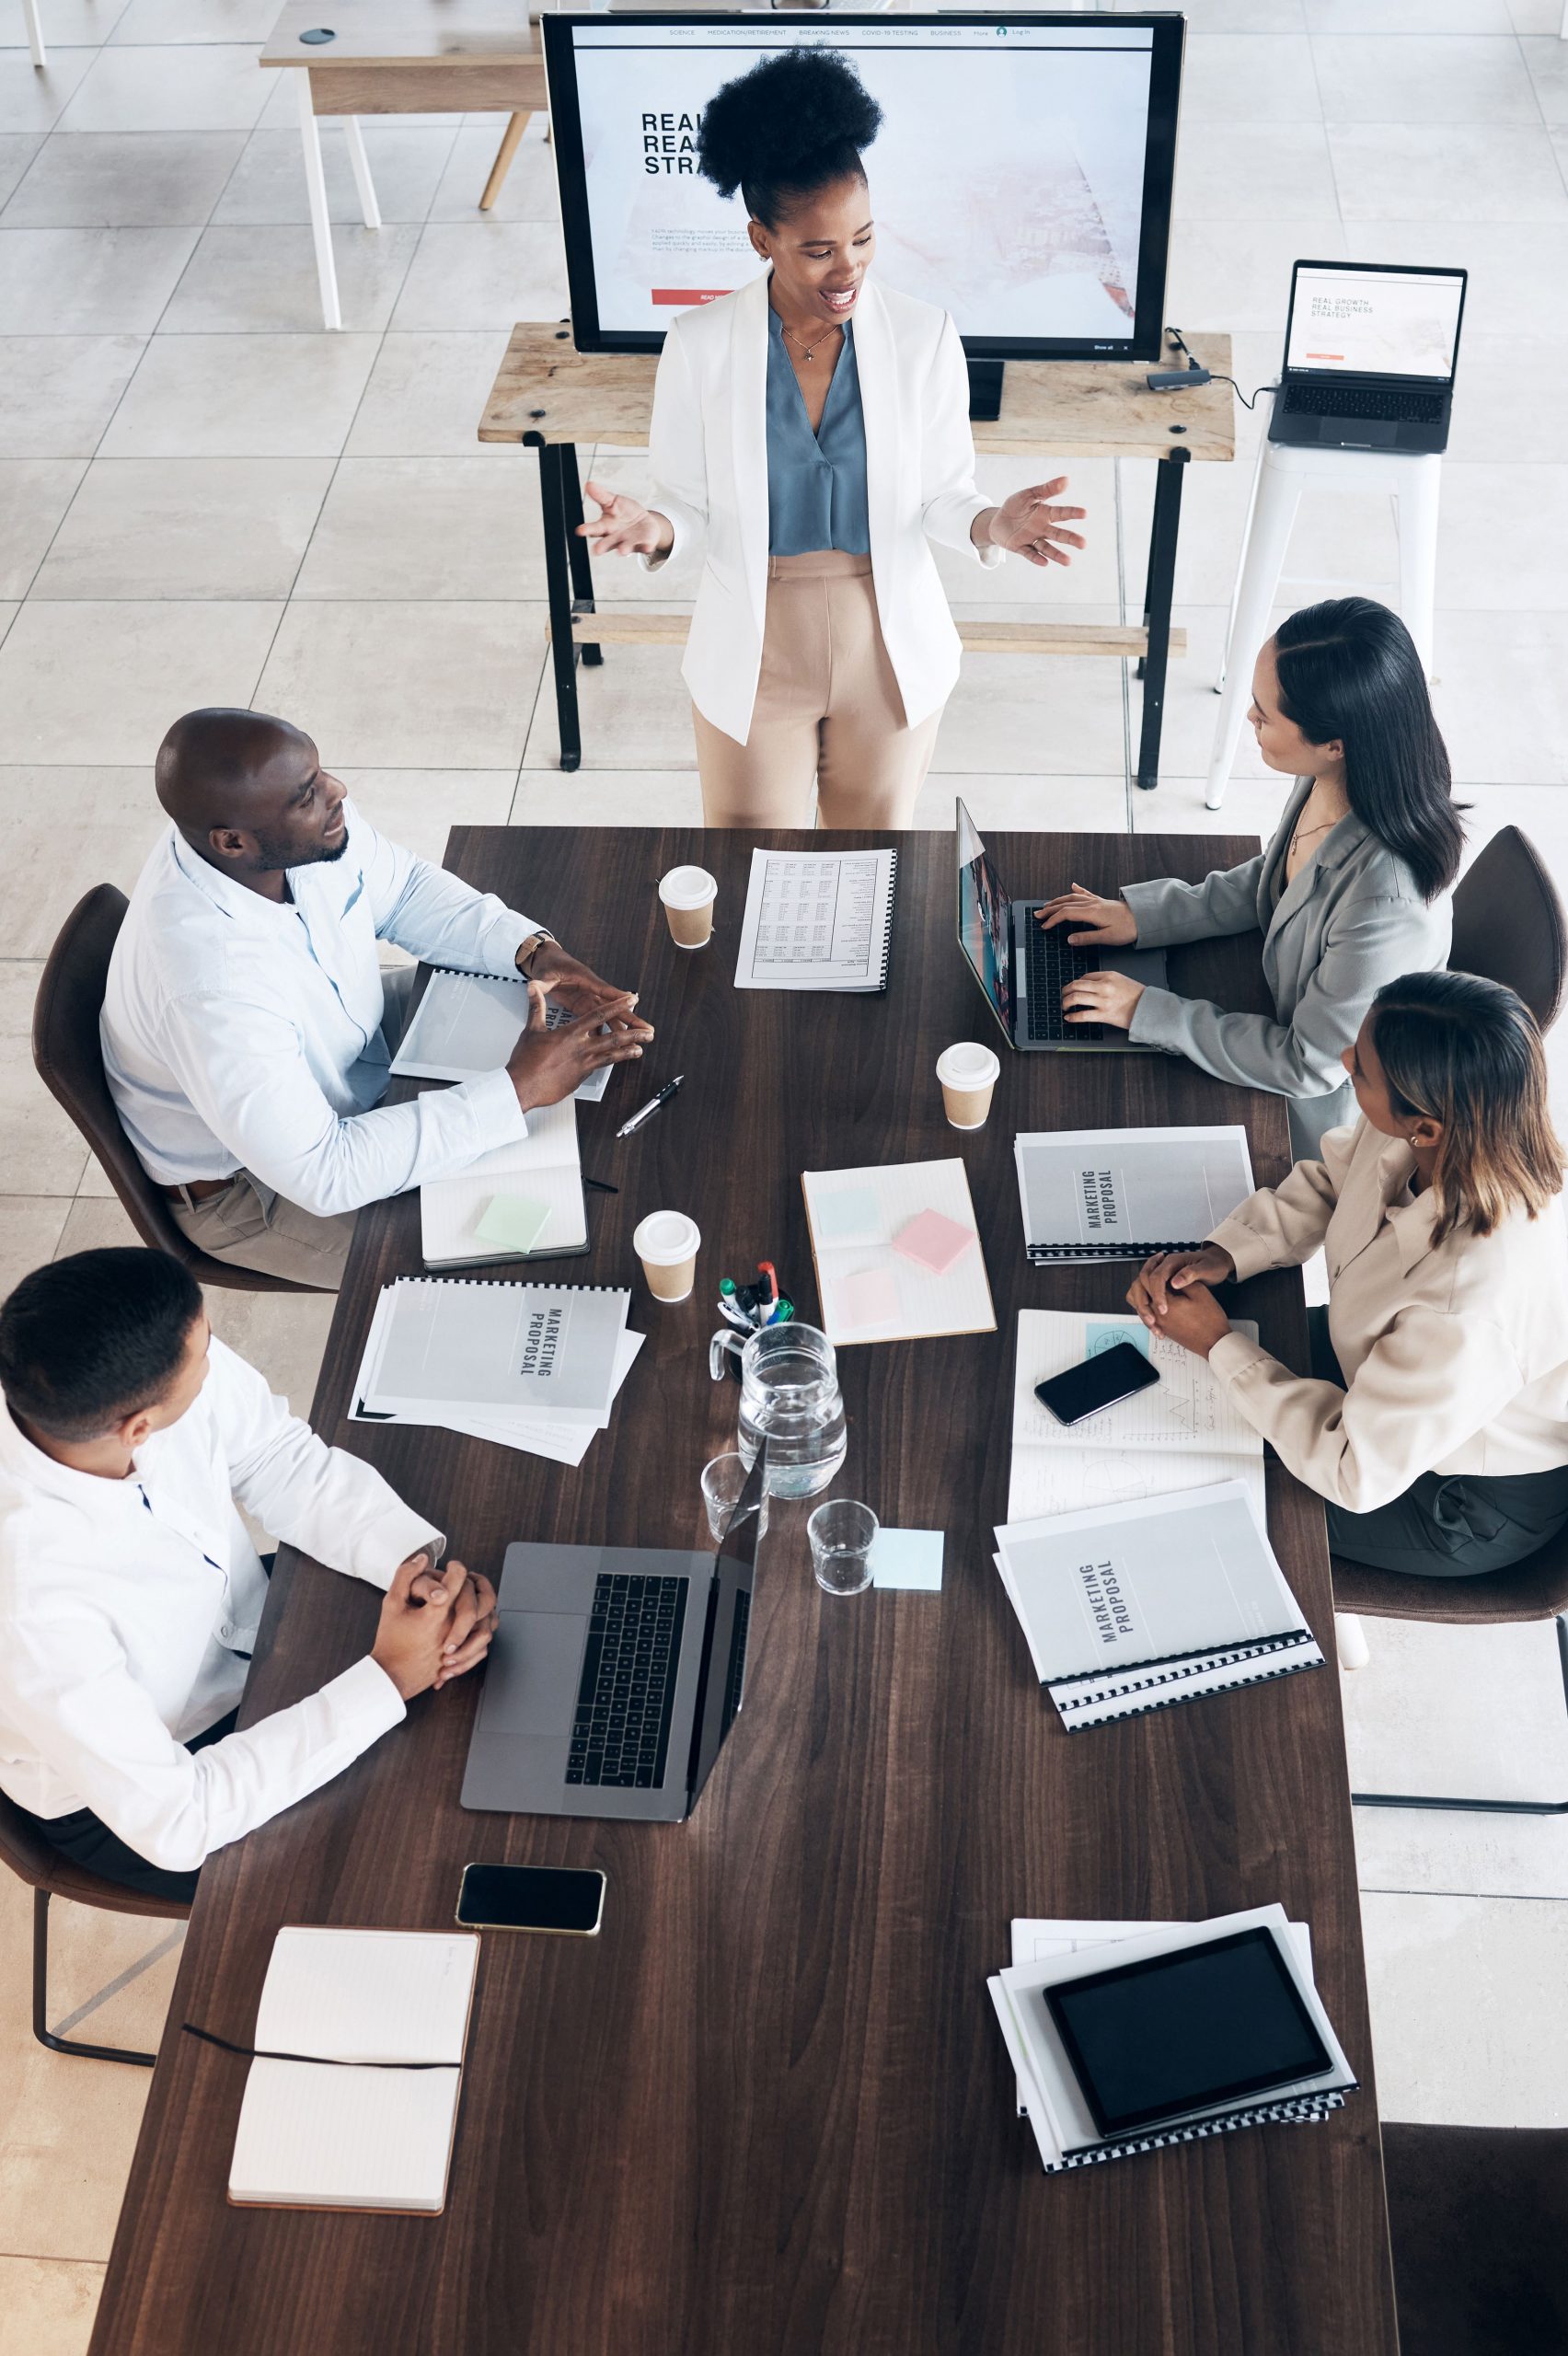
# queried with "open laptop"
point(614, 1676)
point(1369, 356)
point(1022, 969)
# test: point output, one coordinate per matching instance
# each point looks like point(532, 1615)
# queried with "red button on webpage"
point(682, 297)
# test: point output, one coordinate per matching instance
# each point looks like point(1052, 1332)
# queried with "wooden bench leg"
point(511, 141)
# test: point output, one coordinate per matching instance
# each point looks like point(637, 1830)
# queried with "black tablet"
point(1179, 2032)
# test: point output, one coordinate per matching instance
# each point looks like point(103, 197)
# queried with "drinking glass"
point(723, 1482)
point(842, 1534)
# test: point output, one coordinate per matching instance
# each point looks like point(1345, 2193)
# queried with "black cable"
point(327, 2061)
point(1179, 342)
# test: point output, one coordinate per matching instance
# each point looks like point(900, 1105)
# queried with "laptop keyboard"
point(1052, 963)
point(1351, 400)
point(626, 1696)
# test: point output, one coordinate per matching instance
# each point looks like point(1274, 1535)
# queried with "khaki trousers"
point(829, 712)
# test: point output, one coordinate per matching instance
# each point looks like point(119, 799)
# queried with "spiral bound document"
point(817, 921)
point(1123, 1194)
point(1162, 1600)
point(466, 1024)
point(1248, 2044)
point(459, 1342)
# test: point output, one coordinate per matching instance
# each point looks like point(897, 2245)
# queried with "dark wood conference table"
point(768, 2109)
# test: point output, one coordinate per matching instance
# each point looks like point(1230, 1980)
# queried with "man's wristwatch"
point(529, 949)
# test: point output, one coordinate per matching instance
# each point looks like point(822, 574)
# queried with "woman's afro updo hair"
point(793, 125)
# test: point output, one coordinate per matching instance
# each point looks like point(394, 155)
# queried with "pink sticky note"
point(869, 1299)
point(933, 1241)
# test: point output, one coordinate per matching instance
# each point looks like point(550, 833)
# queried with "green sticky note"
point(512, 1223)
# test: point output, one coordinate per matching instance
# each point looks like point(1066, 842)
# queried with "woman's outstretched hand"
point(1030, 526)
point(624, 527)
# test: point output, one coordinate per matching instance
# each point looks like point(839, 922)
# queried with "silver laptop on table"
point(1370, 350)
point(614, 1675)
point(1022, 968)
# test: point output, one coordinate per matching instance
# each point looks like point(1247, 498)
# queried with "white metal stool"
point(35, 32)
point(1283, 472)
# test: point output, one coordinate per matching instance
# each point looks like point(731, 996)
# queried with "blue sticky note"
point(849, 1217)
point(1106, 1337)
point(907, 1558)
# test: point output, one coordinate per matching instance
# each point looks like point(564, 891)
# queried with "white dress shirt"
point(708, 452)
point(241, 1032)
point(1455, 1355)
point(126, 1608)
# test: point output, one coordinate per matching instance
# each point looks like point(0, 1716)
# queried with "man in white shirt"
point(247, 1027)
point(130, 1592)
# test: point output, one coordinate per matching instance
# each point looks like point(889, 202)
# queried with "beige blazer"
point(1456, 1355)
point(708, 446)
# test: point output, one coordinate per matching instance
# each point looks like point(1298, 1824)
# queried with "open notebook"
point(518, 1202)
point(315, 2136)
point(1183, 1433)
point(897, 1253)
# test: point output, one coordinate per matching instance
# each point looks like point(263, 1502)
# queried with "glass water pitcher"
point(789, 1397)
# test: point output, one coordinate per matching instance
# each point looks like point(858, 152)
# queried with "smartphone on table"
point(569, 1900)
point(1116, 1373)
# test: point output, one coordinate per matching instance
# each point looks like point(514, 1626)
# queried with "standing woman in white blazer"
point(811, 431)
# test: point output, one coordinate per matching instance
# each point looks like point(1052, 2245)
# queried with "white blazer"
point(708, 448)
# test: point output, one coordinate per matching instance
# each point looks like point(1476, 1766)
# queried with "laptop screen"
point(984, 921)
point(1345, 319)
point(722, 1686)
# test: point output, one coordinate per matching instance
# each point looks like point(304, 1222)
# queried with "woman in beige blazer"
point(1435, 1421)
point(1352, 890)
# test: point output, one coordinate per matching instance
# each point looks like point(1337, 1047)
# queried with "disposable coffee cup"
point(666, 1244)
point(689, 893)
point(968, 1073)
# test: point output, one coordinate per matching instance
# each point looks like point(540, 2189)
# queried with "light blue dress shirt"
point(816, 482)
point(244, 1032)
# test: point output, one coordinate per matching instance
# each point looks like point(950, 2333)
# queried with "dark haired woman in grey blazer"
point(1351, 892)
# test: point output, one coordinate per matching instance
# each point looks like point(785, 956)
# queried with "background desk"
point(767, 2112)
point(552, 396)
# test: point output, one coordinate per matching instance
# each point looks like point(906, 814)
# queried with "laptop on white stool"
point(1370, 351)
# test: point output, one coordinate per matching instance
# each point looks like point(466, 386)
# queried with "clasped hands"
point(435, 1626)
point(547, 1066)
point(1171, 1293)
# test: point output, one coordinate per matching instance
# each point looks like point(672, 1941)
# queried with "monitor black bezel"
point(1435, 384)
point(1146, 343)
point(1120, 2122)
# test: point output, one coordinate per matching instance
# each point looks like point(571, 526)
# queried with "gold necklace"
point(808, 351)
point(1298, 837)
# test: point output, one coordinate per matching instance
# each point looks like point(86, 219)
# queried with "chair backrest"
point(37, 1863)
point(70, 1063)
point(1509, 926)
point(26, 1851)
point(1477, 2224)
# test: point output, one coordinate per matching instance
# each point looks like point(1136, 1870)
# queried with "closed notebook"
point(472, 1342)
point(1125, 1193)
point(466, 1024)
point(377, 2134)
point(463, 1221)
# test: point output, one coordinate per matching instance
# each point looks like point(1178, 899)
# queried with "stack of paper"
point(533, 1367)
point(817, 921)
point(1126, 1194)
point(377, 2134)
point(897, 1253)
point(1133, 1608)
point(466, 1024)
point(1183, 1433)
point(518, 1202)
point(1048, 1954)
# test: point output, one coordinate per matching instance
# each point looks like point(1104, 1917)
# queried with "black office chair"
point(70, 1063)
point(1478, 2221)
point(1509, 925)
point(49, 1874)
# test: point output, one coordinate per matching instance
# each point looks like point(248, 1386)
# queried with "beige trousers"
point(252, 1227)
point(829, 712)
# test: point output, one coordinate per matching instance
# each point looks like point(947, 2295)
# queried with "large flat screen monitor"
point(1021, 179)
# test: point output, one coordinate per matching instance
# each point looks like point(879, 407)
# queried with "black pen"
point(600, 1187)
point(648, 1110)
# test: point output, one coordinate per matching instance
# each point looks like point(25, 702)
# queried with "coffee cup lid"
point(666, 1238)
point(687, 887)
point(968, 1065)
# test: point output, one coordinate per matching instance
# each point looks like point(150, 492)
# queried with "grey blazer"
point(1352, 921)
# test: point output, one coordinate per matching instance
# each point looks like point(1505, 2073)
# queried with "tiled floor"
point(204, 499)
